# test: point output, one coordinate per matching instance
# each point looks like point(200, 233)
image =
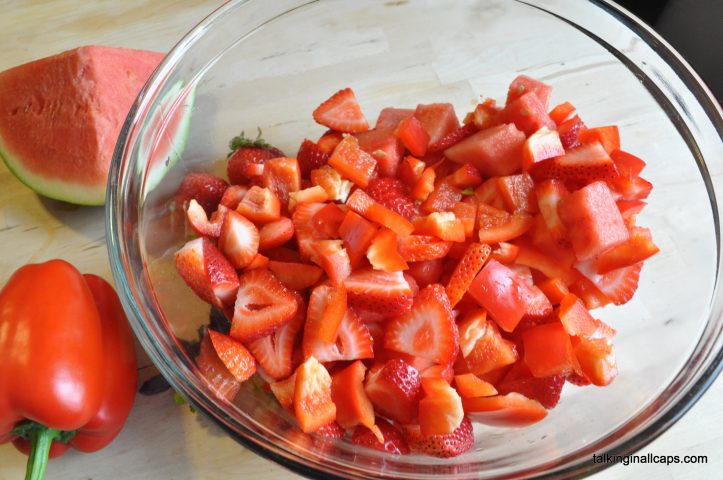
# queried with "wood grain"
point(164, 440)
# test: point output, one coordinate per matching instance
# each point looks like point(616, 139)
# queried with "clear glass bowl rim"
point(117, 247)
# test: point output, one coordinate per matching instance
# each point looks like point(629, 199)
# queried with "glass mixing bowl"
point(269, 64)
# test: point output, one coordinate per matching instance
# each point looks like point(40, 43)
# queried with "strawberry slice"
point(618, 285)
point(353, 163)
point(511, 410)
point(395, 390)
point(205, 188)
point(578, 167)
point(296, 276)
point(274, 351)
point(337, 188)
point(465, 271)
point(391, 193)
point(200, 222)
point(482, 346)
point(275, 234)
point(382, 253)
point(381, 292)
point(393, 443)
point(637, 248)
point(353, 407)
point(283, 390)
point(310, 156)
point(368, 208)
point(207, 272)
point(440, 411)
point(497, 225)
point(330, 430)
point(469, 385)
point(239, 239)
point(353, 340)
point(341, 112)
point(313, 406)
point(259, 261)
point(219, 378)
point(545, 390)
point(428, 330)
point(442, 446)
point(420, 248)
point(233, 196)
point(569, 132)
point(305, 233)
point(260, 205)
point(263, 304)
point(332, 257)
point(234, 355)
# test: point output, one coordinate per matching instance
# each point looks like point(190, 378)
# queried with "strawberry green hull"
point(60, 118)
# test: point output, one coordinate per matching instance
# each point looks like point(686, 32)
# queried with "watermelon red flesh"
point(494, 151)
point(593, 220)
point(438, 119)
point(386, 149)
point(524, 84)
point(390, 117)
point(60, 118)
point(528, 114)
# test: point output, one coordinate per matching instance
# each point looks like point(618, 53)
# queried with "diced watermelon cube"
point(528, 113)
point(390, 117)
point(592, 220)
point(524, 84)
point(385, 147)
point(494, 151)
point(438, 119)
point(503, 293)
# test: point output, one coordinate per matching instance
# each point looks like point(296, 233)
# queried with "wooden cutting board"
point(163, 440)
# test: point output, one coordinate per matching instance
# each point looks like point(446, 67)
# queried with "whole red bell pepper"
point(67, 363)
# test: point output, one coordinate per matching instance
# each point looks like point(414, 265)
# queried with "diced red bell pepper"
point(608, 136)
point(413, 136)
point(635, 249)
point(443, 225)
point(357, 233)
point(548, 350)
point(424, 185)
point(282, 176)
point(539, 146)
point(352, 162)
point(562, 112)
point(410, 170)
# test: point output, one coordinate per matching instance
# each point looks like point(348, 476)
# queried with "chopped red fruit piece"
point(382, 253)
point(493, 151)
point(205, 188)
point(466, 271)
point(511, 410)
point(282, 176)
point(539, 146)
point(390, 117)
point(353, 407)
point(296, 276)
point(233, 196)
point(328, 142)
point(305, 233)
point(528, 114)
point(617, 285)
point(307, 195)
point(341, 112)
point(470, 385)
point(497, 225)
point(313, 407)
point(523, 84)
point(310, 157)
point(518, 193)
point(357, 234)
point(337, 188)
point(274, 351)
point(328, 220)
point(426, 272)
point(263, 304)
point(381, 292)
point(391, 193)
point(443, 446)
point(417, 248)
point(393, 443)
point(412, 135)
point(330, 430)
point(443, 225)
point(635, 249)
point(465, 177)
point(505, 252)
point(442, 199)
point(200, 222)
point(569, 132)
point(332, 257)
point(608, 137)
point(562, 112)
point(428, 330)
point(207, 272)
point(410, 169)
point(485, 114)
point(628, 165)
point(440, 410)
point(368, 208)
point(248, 153)
point(597, 360)
point(260, 205)
point(577, 321)
point(395, 390)
point(545, 390)
point(578, 167)
point(219, 378)
point(438, 119)
point(234, 356)
point(384, 147)
point(425, 185)
point(453, 138)
point(239, 239)
point(276, 233)
point(283, 390)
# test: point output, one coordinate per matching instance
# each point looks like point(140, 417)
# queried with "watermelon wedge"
point(60, 117)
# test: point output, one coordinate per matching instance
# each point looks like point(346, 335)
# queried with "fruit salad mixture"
point(397, 283)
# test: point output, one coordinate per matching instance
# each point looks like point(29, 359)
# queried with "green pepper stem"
point(41, 440)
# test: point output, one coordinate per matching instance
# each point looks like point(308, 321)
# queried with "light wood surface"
point(161, 439)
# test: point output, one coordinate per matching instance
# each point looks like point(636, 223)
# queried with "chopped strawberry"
point(330, 430)
point(353, 407)
point(482, 346)
point(392, 194)
point(569, 132)
point(274, 351)
point(245, 153)
point(200, 222)
point(443, 225)
point(618, 285)
point(442, 199)
point(428, 331)
point(381, 292)
point(207, 272)
point(412, 135)
point(276, 233)
point(426, 272)
point(310, 157)
point(337, 188)
point(395, 390)
point(260, 205)
point(234, 355)
point(443, 446)
point(283, 390)
point(578, 167)
point(470, 385)
point(328, 142)
point(637, 248)
point(259, 261)
point(382, 253)
point(497, 225)
point(453, 138)
point(239, 239)
point(305, 233)
point(233, 196)
point(368, 208)
point(417, 248)
point(282, 176)
point(220, 379)
point(466, 270)
point(394, 442)
point(296, 276)
point(263, 304)
point(440, 410)
point(511, 410)
point(332, 257)
point(353, 163)
point(545, 390)
point(313, 406)
point(341, 112)
point(205, 188)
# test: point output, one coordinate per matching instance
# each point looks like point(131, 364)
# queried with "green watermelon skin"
point(60, 118)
